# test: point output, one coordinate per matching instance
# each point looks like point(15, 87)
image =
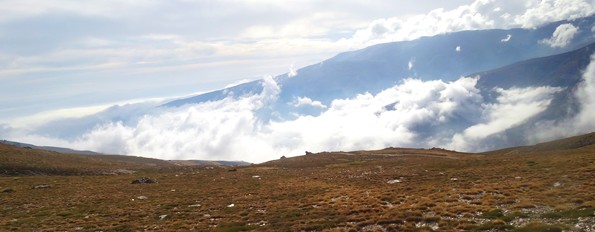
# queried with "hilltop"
point(546, 187)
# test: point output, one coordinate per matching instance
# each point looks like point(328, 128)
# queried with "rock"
point(393, 181)
point(231, 205)
point(309, 153)
point(142, 197)
point(232, 170)
point(7, 190)
point(161, 217)
point(144, 180)
point(42, 186)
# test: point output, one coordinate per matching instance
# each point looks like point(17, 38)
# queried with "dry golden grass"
point(340, 191)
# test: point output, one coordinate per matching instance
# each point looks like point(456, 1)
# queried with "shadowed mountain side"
point(378, 67)
point(586, 141)
point(562, 70)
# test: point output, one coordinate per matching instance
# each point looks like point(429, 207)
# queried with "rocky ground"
point(387, 190)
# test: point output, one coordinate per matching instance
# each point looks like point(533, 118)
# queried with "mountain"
point(26, 159)
point(49, 148)
point(372, 69)
point(580, 142)
point(18, 160)
point(467, 91)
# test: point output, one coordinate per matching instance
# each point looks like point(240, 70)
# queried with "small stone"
point(393, 181)
point(161, 217)
point(42, 186)
point(144, 180)
point(142, 197)
point(231, 205)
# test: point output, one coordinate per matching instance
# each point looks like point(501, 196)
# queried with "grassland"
point(524, 189)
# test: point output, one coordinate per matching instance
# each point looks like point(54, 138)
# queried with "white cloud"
point(582, 122)
point(305, 101)
point(414, 113)
point(292, 71)
point(561, 36)
point(458, 49)
point(480, 14)
point(512, 108)
point(542, 11)
point(506, 39)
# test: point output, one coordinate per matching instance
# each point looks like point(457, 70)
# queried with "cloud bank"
point(481, 14)
point(413, 113)
point(582, 122)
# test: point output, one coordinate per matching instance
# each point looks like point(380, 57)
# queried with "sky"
point(72, 59)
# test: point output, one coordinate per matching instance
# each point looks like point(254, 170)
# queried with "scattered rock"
point(557, 184)
point(256, 177)
point(144, 180)
point(309, 153)
point(454, 179)
point(161, 217)
point(231, 205)
point(283, 157)
point(7, 190)
point(142, 197)
point(195, 205)
point(232, 170)
point(42, 186)
point(393, 181)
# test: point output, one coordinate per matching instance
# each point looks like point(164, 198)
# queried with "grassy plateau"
point(546, 187)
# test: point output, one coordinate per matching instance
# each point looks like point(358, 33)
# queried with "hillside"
point(28, 161)
point(577, 143)
point(546, 187)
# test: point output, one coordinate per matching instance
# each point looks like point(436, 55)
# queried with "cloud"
point(305, 101)
point(414, 113)
point(292, 71)
point(506, 39)
point(580, 123)
point(480, 14)
point(458, 49)
point(512, 108)
point(561, 36)
point(540, 12)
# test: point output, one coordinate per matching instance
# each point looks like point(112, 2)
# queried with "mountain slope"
point(28, 161)
point(430, 58)
point(586, 141)
point(49, 148)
